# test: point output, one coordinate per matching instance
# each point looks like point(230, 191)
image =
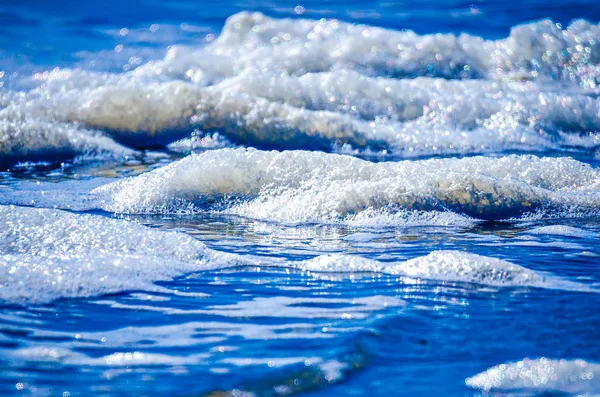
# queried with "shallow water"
point(320, 199)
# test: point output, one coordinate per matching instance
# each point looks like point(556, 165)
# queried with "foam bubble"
point(199, 142)
point(541, 376)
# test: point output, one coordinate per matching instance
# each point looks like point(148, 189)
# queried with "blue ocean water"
point(317, 199)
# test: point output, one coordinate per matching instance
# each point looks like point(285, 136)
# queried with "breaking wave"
point(327, 85)
point(301, 187)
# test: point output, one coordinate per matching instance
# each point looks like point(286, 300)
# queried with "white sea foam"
point(70, 195)
point(408, 117)
point(199, 142)
point(541, 376)
point(562, 230)
point(50, 254)
point(145, 110)
point(320, 84)
point(297, 186)
point(300, 46)
point(46, 140)
point(454, 266)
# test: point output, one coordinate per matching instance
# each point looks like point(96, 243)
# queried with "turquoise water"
point(316, 199)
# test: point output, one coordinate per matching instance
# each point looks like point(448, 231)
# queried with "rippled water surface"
point(260, 199)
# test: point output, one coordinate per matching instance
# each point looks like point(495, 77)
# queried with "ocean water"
point(316, 199)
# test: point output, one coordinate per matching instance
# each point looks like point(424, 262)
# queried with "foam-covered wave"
point(405, 117)
point(50, 254)
point(134, 112)
point(325, 84)
point(297, 186)
point(541, 377)
point(454, 266)
point(45, 140)
point(300, 46)
point(262, 108)
point(561, 230)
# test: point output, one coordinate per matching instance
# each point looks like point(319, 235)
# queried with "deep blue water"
point(272, 328)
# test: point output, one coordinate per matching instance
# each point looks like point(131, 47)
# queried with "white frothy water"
point(50, 254)
point(300, 46)
point(327, 84)
point(453, 266)
point(46, 140)
point(541, 376)
point(561, 230)
point(297, 186)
